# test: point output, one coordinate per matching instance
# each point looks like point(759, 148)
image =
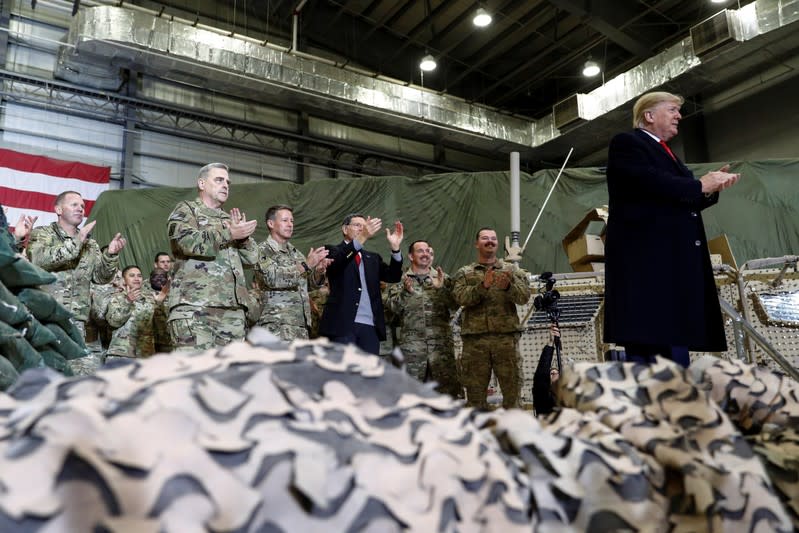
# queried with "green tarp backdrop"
point(759, 214)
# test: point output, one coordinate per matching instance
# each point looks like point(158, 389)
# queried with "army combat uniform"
point(163, 342)
point(208, 296)
point(134, 333)
point(97, 327)
point(318, 299)
point(490, 330)
point(76, 266)
point(286, 308)
point(425, 332)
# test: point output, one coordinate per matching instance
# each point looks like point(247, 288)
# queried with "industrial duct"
point(116, 37)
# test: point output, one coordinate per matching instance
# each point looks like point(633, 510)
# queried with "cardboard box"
point(585, 248)
point(591, 266)
point(721, 246)
point(584, 245)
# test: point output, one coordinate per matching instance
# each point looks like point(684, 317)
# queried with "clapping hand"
point(117, 243)
point(85, 231)
point(408, 284)
point(395, 237)
point(132, 294)
point(162, 294)
point(23, 227)
point(502, 280)
point(371, 227)
point(718, 180)
point(240, 228)
point(488, 280)
point(438, 281)
point(316, 256)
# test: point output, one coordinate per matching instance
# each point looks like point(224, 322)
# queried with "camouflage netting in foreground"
point(321, 437)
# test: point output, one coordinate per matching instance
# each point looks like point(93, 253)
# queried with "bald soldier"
point(208, 296)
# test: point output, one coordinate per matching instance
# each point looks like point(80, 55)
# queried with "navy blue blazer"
point(338, 316)
point(659, 286)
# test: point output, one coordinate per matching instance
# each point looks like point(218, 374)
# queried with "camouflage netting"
point(35, 330)
point(264, 437)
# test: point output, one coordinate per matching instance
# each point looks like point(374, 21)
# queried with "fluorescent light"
point(591, 69)
point(428, 63)
point(482, 18)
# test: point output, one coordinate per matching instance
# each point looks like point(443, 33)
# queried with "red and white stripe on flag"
point(29, 184)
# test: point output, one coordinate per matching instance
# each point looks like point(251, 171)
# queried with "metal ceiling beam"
point(541, 73)
point(156, 116)
point(5, 20)
point(507, 42)
point(390, 39)
point(396, 10)
point(548, 72)
point(450, 62)
point(575, 54)
point(423, 25)
point(590, 12)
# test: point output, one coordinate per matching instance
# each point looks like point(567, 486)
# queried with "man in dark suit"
point(660, 296)
point(354, 309)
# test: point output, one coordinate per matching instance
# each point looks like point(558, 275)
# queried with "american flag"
point(29, 184)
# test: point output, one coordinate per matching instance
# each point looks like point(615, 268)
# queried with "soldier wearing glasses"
point(423, 302)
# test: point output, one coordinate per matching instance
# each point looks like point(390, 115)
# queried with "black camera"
point(547, 299)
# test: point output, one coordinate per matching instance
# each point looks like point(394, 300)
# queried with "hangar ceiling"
point(513, 71)
point(529, 58)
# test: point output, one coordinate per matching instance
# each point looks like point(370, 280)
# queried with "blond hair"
point(648, 101)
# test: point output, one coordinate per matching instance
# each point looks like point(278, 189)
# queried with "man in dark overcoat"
point(660, 296)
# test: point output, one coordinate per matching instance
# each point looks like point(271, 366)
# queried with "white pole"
point(295, 20)
point(515, 194)
point(547, 198)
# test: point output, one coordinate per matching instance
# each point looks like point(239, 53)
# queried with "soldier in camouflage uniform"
point(318, 298)
point(97, 328)
point(489, 291)
point(77, 262)
point(159, 279)
point(283, 275)
point(131, 312)
point(422, 301)
point(163, 261)
point(208, 295)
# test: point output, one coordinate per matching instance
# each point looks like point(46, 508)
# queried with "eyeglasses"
point(424, 250)
point(357, 225)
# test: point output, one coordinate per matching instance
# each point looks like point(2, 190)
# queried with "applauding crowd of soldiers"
point(198, 297)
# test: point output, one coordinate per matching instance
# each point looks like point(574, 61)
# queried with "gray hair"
point(348, 218)
point(207, 169)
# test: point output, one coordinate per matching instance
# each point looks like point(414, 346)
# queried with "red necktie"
point(358, 258)
point(666, 147)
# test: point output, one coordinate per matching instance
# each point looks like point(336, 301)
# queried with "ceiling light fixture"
point(717, 1)
point(482, 18)
point(428, 63)
point(590, 69)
